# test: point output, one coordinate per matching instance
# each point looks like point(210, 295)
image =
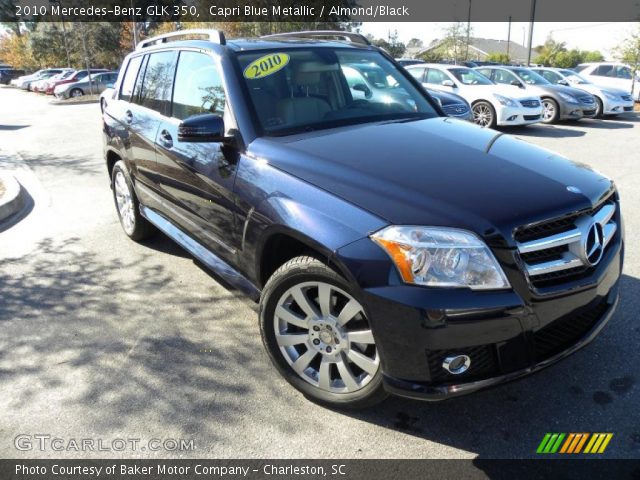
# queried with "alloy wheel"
point(124, 202)
point(482, 115)
point(549, 111)
point(324, 335)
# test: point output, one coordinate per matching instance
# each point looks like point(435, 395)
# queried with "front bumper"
point(518, 115)
point(507, 334)
point(576, 111)
point(614, 107)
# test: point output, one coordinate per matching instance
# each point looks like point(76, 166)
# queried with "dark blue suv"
point(392, 249)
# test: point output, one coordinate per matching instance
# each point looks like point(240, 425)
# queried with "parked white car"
point(491, 104)
point(611, 74)
point(610, 101)
point(24, 82)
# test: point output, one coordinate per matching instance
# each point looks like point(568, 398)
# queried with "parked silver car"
point(609, 100)
point(559, 102)
point(99, 82)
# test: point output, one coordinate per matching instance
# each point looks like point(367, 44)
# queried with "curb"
point(14, 198)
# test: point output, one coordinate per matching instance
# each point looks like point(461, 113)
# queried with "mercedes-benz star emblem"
point(593, 248)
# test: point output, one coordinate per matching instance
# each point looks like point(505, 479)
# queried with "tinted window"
point(130, 78)
point(623, 72)
point(417, 73)
point(158, 82)
point(580, 68)
point(466, 76)
point(504, 76)
point(198, 86)
point(553, 77)
point(436, 77)
point(604, 71)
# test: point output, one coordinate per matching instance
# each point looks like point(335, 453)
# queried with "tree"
point(497, 57)
point(629, 52)
point(454, 44)
point(415, 43)
point(393, 46)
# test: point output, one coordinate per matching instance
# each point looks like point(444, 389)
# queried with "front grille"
point(564, 248)
point(530, 103)
point(566, 331)
point(483, 364)
point(589, 100)
point(588, 112)
point(455, 109)
point(531, 117)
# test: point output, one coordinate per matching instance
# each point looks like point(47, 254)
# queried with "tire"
point(127, 206)
point(315, 353)
point(551, 110)
point(102, 104)
point(599, 108)
point(76, 92)
point(484, 114)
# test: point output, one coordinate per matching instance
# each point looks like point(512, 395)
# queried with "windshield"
point(532, 78)
point(467, 76)
point(295, 90)
point(573, 77)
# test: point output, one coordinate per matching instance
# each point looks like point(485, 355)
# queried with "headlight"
point(568, 98)
point(441, 257)
point(610, 95)
point(506, 101)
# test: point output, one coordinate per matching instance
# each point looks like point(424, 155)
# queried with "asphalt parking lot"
point(103, 338)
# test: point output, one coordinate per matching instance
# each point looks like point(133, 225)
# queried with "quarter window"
point(129, 80)
point(198, 87)
point(158, 82)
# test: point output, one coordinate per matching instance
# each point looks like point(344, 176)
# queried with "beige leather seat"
point(298, 110)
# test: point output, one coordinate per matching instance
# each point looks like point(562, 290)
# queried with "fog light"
point(457, 364)
point(512, 118)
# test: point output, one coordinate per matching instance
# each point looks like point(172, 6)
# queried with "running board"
point(209, 259)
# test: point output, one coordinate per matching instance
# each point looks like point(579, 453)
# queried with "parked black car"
point(391, 248)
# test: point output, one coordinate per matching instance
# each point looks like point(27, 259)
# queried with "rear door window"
point(129, 81)
point(436, 77)
point(417, 73)
point(158, 82)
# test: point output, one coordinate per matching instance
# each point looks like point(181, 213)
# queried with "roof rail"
point(327, 34)
point(215, 36)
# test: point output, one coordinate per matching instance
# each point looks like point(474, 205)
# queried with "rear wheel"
point(133, 223)
point(76, 92)
point(484, 114)
point(318, 335)
point(551, 111)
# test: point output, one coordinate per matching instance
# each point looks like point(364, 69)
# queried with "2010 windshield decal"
point(266, 65)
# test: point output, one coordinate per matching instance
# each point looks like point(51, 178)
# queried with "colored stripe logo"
point(574, 443)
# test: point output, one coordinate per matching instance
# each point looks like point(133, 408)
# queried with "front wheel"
point(76, 92)
point(318, 335)
point(551, 111)
point(484, 114)
point(599, 108)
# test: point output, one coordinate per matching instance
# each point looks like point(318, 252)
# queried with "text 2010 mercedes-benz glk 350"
point(392, 249)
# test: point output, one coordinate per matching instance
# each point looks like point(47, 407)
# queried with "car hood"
point(551, 89)
point(438, 171)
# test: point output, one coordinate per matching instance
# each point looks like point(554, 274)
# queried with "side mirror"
point(516, 83)
point(206, 127)
point(361, 87)
point(448, 83)
point(563, 82)
point(109, 85)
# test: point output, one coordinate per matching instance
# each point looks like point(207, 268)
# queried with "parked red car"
point(78, 75)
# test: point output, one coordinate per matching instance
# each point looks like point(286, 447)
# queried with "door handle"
point(165, 139)
point(128, 116)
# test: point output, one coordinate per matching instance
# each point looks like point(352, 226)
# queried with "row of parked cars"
point(66, 82)
point(500, 95)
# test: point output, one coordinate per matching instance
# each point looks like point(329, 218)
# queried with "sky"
point(582, 35)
